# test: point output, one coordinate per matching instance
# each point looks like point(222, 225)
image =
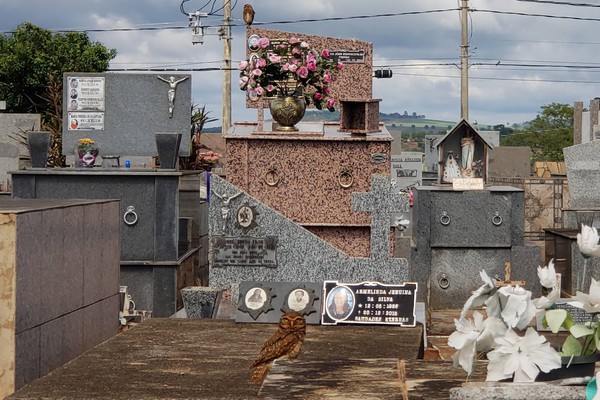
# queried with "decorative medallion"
point(256, 300)
point(246, 217)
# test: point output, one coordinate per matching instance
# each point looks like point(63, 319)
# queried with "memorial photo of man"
point(298, 299)
point(339, 303)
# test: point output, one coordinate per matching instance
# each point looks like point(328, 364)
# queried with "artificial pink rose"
point(293, 67)
point(243, 65)
point(312, 66)
point(304, 45)
point(325, 53)
point(293, 40)
point(296, 50)
point(286, 67)
point(261, 63)
point(302, 72)
point(270, 88)
point(318, 96)
point(243, 81)
point(260, 91)
point(263, 42)
point(256, 72)
point(326, 77)
point(274, 58)
point(310, 57)
point(326, 90)
point(340, 66)
point(330, 103)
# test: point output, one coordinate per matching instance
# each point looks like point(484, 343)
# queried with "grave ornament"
point(172, 88)
point(225, 208)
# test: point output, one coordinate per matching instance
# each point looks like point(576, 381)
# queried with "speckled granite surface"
point(301, 256)
point(309, 169)
point(582, 162)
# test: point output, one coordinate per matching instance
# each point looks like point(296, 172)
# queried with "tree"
point(32, 63)
point(547, 134)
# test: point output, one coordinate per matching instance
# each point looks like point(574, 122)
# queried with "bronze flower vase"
point(287, 111)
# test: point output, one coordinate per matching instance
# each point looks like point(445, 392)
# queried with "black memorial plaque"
point(244, 251)
point(369, 303)
point(348, 56)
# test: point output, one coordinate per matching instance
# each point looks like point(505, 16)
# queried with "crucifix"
point(381, 204)
point(225, 208)
point(507, 281)
point(172, 88)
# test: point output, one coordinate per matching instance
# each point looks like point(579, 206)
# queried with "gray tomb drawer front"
point(465, 219)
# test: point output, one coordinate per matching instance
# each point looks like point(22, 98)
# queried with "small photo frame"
point(73, 83)
point(340, 303)
point(253, 42)
point(255, 298)
point(298, 299)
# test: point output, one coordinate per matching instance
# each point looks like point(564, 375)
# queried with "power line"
point(561, 3)
point(524, 14)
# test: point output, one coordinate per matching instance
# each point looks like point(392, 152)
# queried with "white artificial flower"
point(472, 337)
point(547, 275)
point(547, 302)
point(591, 300)
point(587, 241)
point(522, 356)
point(517, 307)
point(480, 295)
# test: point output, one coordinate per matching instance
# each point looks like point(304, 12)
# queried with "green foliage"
point(198, 119)
point(547, 134)
point(32, 63)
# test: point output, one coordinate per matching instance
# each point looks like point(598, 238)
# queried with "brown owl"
point(287, 342)
point(248, 14)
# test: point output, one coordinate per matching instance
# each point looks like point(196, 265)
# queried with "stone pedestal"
point(200, 301)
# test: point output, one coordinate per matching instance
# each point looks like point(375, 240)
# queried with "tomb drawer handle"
point(445, 218)
point(497, 219)
point(130, 217)
point(444, 281)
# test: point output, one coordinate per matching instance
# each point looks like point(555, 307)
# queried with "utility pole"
point(226, 35)
point(464, 61)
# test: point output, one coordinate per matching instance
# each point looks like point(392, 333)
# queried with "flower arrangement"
point(86, 144)
point(508, 308)
point(290, 67)
point(208, 157)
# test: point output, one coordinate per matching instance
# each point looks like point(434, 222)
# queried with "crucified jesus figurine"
point(172, 87)
point(225, 208)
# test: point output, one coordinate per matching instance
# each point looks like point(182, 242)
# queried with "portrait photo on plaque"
point(255, 298)
point(298, 300)
point(340, 303)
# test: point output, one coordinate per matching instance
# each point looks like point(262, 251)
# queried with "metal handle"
point(445, 218)
point(130, 217)
point(444, 282)
point(497, 219)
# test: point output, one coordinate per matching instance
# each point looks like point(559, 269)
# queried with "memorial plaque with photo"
point(303, 297)
point(369, 303)
point(244, 251)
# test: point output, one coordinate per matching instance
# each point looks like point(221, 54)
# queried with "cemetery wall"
point(59, 283)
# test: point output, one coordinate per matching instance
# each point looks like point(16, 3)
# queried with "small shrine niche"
point(463, 153)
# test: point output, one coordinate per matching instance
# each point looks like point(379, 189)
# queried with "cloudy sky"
point(523, 53)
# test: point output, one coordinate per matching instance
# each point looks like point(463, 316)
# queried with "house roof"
point(463, 124)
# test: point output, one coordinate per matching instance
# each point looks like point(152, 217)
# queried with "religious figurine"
point(172, 87)
point(225, 208)
point(451, 169)
point(467, 147)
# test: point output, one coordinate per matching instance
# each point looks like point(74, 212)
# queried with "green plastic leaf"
point(581, 330)
point(555, 319)
point(571, 347)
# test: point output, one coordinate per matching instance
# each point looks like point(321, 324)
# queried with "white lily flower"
point(480, 295)
point(517, 307)
point(522, 356)
point(547, 275)
point(591, 300)
point(587, 241)
point(472, 337)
